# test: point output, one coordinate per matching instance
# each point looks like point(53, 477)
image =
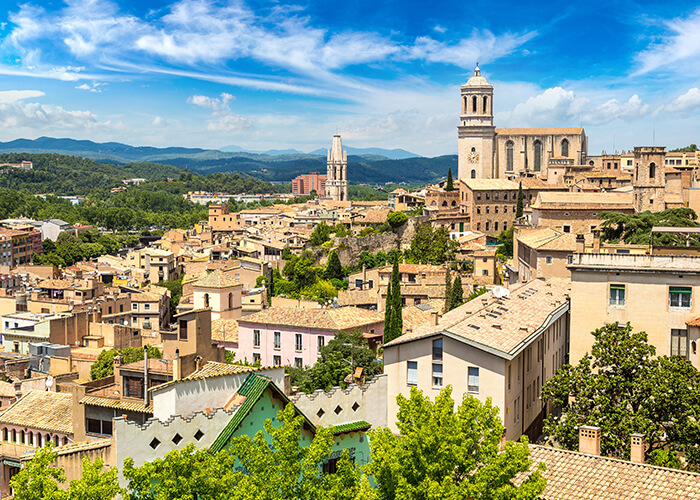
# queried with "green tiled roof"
point(253, 387)
point(360, 425)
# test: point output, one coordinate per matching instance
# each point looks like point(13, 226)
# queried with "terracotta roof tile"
point(341, 318)
point(217, 279)
point(224, 330)
point(572, 475)
point(540, 131)
point(118, 404)
point(490, 184)
point(49, 411)
point(590, 201)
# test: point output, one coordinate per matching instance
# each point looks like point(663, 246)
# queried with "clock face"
point(473, 157)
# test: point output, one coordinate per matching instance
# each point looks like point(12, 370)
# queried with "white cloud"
point(91, 87)
point(439, 29)
point(684, 104)
point(222, 118)
point(613, 109)
point(42, 117)
point(158, 121)
point(682, 43)
point(16, 95)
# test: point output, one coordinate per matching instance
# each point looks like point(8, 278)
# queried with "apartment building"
point(220, 220)
point(23, 244)
point(655, 293)
point(304, 184)
point(490, 204)
point(500, 347)
point(156, 265)
point(577, 212)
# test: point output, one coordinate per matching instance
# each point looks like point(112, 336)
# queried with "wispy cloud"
point(684, 104)
point(91, 87)
point(222, 118)
point(681, 42)
point(16, 95)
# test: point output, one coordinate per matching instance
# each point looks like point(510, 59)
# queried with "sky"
point(275, 74)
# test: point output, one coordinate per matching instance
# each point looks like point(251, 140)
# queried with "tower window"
point(486, 104)
point(538, 156)
point(565, 147)
point(509, 156)
point(652, 171)
point(473, 174)
point(474, 104)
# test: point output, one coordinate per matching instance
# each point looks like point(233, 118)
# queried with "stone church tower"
point(476, 131)
point(337, 172)
point(649, 181)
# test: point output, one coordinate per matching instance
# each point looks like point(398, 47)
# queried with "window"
point(486, 104)
point(679, 342)
point(183, 329)
point(652, 171)
point(473, 379)
point(569, 259)
point(510, 369)
point(437, 375)
point(133, 387)
point(505, 209)
point(256, 338)
point(474, 104)
point(679, 296)
point(538, 156)
point(321, 343)
point(565, 147)
point(297, 342)
point(147, 307)
point(473, 175)
point(437, 350)
point(147, 323)
point(298, 362)
point(495, 224)
point(121, 308)
point(548, 259)
point(412, 373)
point(256, 357)
point(509, 156)
point(134, 307)
point(478, 210)
point(96, 426)
point(566, 228)
point(277, 360)
point(278, 340)
point(617, 295)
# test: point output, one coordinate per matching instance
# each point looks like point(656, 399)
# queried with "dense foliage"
point(431, 246)
point(302, 279)
point(687, 149)
point(635, 229)
point(624, 389)
point(104, 365)
point(67, 250)
point(339, 358)
point(449, 454)
point(396, 219)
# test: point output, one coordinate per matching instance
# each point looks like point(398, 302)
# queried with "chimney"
point(596, 241)
point(177, 366)
point(145, 375)
point(580, 243)
point(434, 318)
point(589, 440)
point(638, 448)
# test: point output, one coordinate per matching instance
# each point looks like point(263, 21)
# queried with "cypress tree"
point(450, 184)
point(397, 312)
point(388, 310)
point(334, 269)
point(448, 289)
point(457, 294)
point(519, 206)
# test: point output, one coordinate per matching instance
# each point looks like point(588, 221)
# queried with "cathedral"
point(337, 172)
point(487, 152)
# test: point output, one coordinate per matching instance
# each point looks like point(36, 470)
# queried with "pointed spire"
point(477, 71)
point(336, 153)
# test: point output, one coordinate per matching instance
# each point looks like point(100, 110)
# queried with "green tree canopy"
point(622, 388)
point(320, 234)
point(334, 269)
point(104, 365)
point(432, 246)
point(396, 219)
point(635, 229)
point(448, 453)
point(450, 184)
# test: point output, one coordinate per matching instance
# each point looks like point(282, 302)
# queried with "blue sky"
point(277, 74)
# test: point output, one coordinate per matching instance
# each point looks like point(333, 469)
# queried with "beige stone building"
point(220, 293)
point(489, 203)
point(500, 348)
point(577, 212)
point(655, 293)
point(156, 265)
point(486, 152)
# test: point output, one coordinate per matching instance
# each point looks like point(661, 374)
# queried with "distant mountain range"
point(365, 165)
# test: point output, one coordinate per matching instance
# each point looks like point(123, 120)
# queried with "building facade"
point(306, 183)
point(489, 203)
point(337, 172)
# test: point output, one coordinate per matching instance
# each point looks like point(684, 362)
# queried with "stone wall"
point(341, 406)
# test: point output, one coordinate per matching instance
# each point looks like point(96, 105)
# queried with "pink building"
point(292, 336)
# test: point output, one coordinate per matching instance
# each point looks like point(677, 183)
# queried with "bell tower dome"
point(476, 131)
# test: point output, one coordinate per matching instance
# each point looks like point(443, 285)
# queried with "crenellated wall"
point(355, 403)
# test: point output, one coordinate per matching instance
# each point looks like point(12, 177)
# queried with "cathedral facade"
point(337, 171)
point(487, 152)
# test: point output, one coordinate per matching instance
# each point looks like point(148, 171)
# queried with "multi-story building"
point(306, 183)
point(655, 293)
point(24, 244)
point(490, 204)
point(499, 347)
point(220, 220)
point(577, 212)
point(156, 265)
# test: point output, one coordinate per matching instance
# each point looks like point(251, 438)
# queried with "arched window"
point(444, 203)
point(538, 156)
point(206, 300)
point(464, 106)
point(505, 226)
point(473, 104)
point(55, 440)
point(21, 437)
point(565, 147)
point(454, 203)
point(14, 435)
point(486, 104)
point(230, 300)
point(65, 440)
point(652, 170)
point(509, 156)
point(473, 174)
point(4, 434)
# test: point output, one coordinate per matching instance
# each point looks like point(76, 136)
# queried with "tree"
point(450, 185)
point(286, 253)
point(38, 479)
point(96, 483)
point(320, 234)
point(443, 453)
point(448, 290)
point(394, 312)
point(457, 293)
point(388, 313)
point(622, 388)
point(635, 229)
point(432, 246)
point(175, 288)
point(519, 204)
point(505, 249)
point(334, 269)
point(396, 219)
point(104, 365)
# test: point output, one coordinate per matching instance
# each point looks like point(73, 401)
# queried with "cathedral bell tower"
point(337, 171)
point(476, 131)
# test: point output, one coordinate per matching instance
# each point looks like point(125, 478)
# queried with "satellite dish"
point(500, 292)
point(49, 382)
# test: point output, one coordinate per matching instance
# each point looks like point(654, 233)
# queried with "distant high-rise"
point(337, 173)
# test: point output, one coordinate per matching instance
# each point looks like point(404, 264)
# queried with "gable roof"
point(340, 318)
point(540, 131)
point(582, 201)
point(572, 475)
point(48, 411)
